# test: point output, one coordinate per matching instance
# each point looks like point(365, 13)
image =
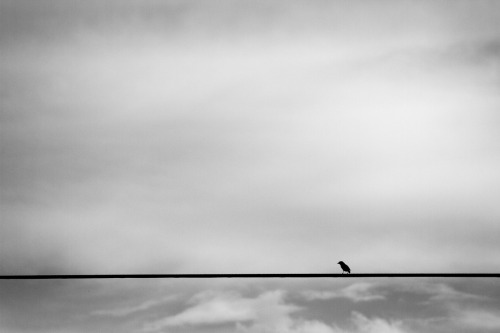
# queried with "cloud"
point(289, 325)
point(358, 324)
point(183, 143)
point(478, 319)
point(462, 318)
point(126, 311)
point(267, 312)
point(376, 325)
point(229, 307)
point(406, 306)
point(356, 292)
point(445, 292)
point(437, 292)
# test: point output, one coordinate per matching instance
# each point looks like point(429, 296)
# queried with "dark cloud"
point(433, 305)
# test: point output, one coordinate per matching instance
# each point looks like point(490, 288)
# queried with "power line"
point(242, 276)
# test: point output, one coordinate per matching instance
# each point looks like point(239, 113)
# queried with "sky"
point(249, 137)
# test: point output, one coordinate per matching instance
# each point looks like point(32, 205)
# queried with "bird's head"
point(340, 262)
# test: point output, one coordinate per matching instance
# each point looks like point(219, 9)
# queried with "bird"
point(344, 267)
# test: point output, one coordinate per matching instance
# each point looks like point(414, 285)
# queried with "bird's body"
point(344, 267)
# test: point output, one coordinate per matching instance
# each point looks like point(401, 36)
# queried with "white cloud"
point(478, 319)
point(444, 292)
point(460, 319)
point(229, 307)
point(289, 325)
point(357, 292)
point(128, 310)
point(376, 325)
point(437, 292)
point(265, 313)
point(359, 324)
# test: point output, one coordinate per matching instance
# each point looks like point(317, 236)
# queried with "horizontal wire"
point(238, 276)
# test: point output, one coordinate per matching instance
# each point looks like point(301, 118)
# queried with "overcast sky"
point(248, 136)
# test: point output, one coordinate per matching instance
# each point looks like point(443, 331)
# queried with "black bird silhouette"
point(344, 267)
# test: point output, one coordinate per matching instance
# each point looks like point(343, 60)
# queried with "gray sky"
point(249, 136)
point(195, 137)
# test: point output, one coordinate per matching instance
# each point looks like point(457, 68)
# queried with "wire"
point(249, 275)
